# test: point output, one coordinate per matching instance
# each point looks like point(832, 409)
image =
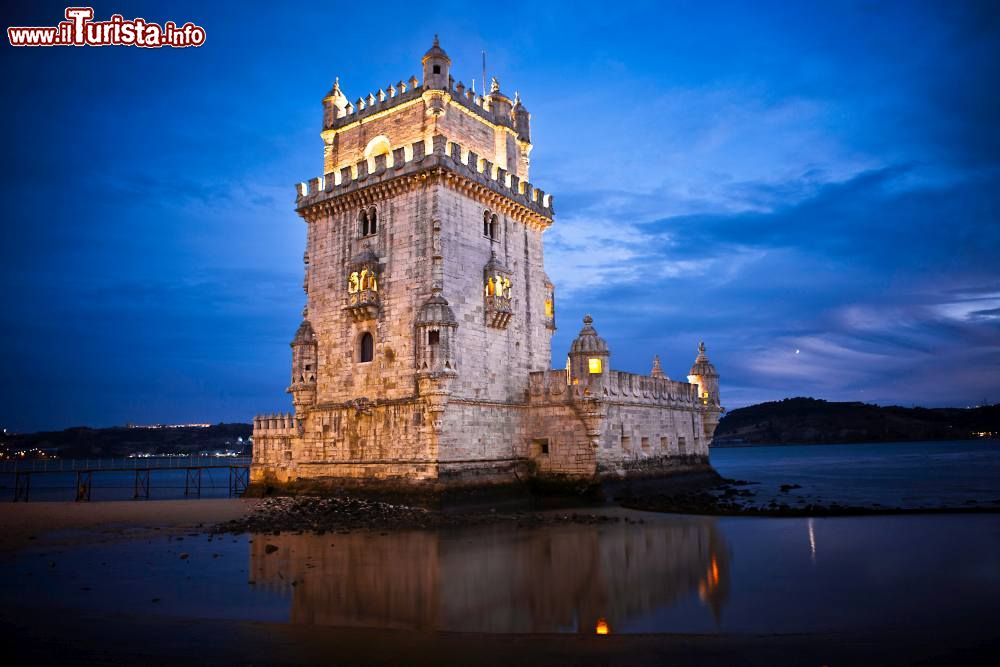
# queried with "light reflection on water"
point(674, 574)
point(560, 579)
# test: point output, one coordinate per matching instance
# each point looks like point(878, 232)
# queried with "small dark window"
point(494, 228)
point(545, 446)
point(367, 348)
point(309, 367)
point(433, 337)
point(437, 69)
point(372, 220)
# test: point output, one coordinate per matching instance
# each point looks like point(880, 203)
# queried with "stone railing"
point(412, 158)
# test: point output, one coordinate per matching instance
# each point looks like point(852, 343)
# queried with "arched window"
point(367, 222)
point(491, 225)
point(367, 348)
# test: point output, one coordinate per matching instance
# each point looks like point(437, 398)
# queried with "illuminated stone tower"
point(429, 316)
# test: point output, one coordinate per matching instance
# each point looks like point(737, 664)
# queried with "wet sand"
point(64, 523)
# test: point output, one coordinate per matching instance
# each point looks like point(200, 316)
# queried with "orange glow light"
point(602, 627)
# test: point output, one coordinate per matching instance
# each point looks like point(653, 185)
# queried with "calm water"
point(916, 474)
point(668, 574)
point(934, 573)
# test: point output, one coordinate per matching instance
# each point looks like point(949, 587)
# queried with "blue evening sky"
point(812, 188)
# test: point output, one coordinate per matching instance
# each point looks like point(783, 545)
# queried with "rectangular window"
point(627, 443)
point(664, 444)
point(645, 443)
point(540, 446)
point(681, 444)
point(433, 337)
point(594, 365)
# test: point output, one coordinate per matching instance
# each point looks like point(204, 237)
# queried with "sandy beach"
point(23, 524)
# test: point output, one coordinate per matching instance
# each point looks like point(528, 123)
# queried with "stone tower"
point(424, 353)
point(427, 301)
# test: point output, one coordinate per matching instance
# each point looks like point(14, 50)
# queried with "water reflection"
point(580, 578)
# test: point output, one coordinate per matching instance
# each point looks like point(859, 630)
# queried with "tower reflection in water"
point(574, 578)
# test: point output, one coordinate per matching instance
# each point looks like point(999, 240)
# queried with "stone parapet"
point(552, 387)
point(444, 156)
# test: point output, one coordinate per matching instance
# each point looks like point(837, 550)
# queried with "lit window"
point(602, 627)
point(594, 365)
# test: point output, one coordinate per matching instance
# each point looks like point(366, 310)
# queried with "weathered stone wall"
point(493, 363)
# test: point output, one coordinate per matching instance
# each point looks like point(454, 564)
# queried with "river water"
point(666, 574)
point(645, 573)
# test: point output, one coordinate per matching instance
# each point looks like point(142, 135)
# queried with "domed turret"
point(436, 324)
point(334, 104)
point(436, 310)
point(588, 356)
point(436, 65)
point(588, 341)
point(522, 119)
point(500, 104)
point(303, 387)
point(704, 375)
point(702, 366)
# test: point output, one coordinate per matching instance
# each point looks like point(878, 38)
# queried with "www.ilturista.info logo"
point(79, 29)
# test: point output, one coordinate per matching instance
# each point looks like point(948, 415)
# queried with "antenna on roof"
point(484, 73)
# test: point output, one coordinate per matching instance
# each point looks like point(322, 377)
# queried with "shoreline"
point(67, 523)
point(59, 523)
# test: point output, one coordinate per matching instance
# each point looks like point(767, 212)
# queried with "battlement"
point(396, 94)
point(552, 386)
point(274, 424)
point(408, 160)
point(381, 100)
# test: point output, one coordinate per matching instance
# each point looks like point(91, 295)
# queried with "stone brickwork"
point(424, 355)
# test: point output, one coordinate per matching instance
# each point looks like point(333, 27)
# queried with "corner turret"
point(436, 65)
point(704, 375)
point(500, 105)
point(303, 387)
point(522, 120)
point(334, 105)
point(588, 357)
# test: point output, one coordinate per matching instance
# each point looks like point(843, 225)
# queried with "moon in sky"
point(796, 351)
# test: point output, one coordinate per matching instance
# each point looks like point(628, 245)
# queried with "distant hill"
point(810, 420)
point(84, 442)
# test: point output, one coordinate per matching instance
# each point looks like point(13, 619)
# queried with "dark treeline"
point(810, 420)
point(83, 442)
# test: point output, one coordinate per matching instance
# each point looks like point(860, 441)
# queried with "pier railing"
point(141, 469)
